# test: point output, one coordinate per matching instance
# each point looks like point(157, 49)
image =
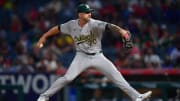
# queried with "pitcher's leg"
point(109, 70)
point(76, 67)
point(57, 85)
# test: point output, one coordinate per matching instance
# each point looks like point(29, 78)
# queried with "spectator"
point(135, 57)
point(95, 4)
point(24, 42)
point(5, 49)
point(56, 5)
point(41, 66)
point(167, 62)
point(16, 25)
point(2, 2)
point(175, 54)
point(1, 63)
point(3, 33)
point(122, 59)
point(7, 67)
point(51, 63)
point(151, 59)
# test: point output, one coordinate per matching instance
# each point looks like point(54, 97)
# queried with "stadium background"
point(152, 64)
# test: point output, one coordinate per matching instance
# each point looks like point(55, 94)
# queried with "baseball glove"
point(127, 43)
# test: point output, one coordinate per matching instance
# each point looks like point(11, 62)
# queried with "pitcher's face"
point(85, 16)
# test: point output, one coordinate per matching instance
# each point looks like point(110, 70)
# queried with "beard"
point(86, 19)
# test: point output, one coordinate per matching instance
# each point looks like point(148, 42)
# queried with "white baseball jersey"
point(88, 38)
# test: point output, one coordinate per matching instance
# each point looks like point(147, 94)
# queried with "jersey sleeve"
point(101, 25)
point(65, 28)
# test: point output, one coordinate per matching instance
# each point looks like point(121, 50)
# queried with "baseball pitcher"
point(87, 34)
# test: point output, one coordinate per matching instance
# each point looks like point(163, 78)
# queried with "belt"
point(91, 53)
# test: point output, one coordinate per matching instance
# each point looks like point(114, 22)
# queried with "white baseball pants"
point(82, 62)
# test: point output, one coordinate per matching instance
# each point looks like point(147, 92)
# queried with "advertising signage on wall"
point(32, 84)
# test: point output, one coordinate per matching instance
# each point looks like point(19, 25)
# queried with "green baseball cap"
point(84, 8)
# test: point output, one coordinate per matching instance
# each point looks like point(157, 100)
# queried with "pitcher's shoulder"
point(95, 20)
point(72, 21)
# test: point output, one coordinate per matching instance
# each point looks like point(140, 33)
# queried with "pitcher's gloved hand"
point(127, 42)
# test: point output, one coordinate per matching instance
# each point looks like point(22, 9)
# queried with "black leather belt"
point(90, 53)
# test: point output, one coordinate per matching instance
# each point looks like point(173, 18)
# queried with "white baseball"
point(41, 45)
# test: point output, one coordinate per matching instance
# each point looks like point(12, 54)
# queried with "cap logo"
point(84, 8)
point(87, 6)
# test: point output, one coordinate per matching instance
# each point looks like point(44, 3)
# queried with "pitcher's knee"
point(67, 79)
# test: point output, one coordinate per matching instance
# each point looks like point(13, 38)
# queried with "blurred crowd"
point(154, 24)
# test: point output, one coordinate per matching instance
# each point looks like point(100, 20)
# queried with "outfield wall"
point(27, 87)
